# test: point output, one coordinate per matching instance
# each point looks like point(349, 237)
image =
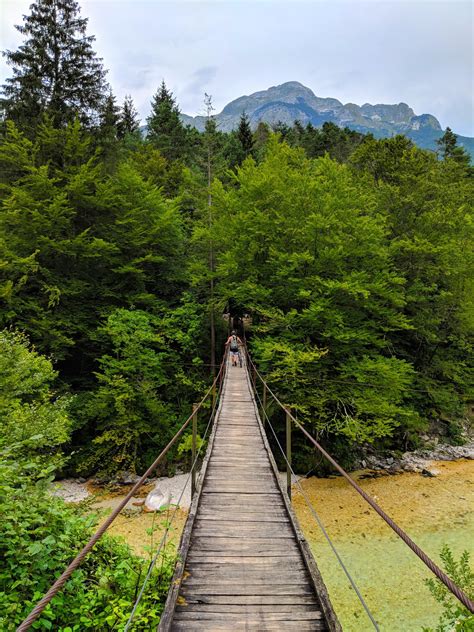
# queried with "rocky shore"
point(418, 461)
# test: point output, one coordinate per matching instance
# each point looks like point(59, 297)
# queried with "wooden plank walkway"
point(245, 564)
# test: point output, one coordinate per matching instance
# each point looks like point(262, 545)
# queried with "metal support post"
point(214, 395)
point(264, 403)
point(288, 454)
point(194, 450)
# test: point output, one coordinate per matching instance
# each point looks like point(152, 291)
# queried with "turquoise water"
point(434, 511)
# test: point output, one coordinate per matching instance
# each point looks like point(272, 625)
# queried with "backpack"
point(234, 345)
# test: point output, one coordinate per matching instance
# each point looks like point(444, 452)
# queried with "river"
point(433, 511)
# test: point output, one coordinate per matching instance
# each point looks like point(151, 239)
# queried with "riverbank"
point(420, 460)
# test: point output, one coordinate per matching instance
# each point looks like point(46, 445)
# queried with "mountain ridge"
point(292, 101)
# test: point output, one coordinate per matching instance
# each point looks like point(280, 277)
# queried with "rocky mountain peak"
point(292, 101)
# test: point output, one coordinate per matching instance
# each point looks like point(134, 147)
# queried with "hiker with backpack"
point(234, 341)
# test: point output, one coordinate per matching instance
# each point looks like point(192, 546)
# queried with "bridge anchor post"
point(288, 454)
point(264, 403)
point(194, 451)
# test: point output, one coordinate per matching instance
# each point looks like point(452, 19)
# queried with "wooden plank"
point(252, 504)
point(201, 588)
point(248, 600)
point(252, 546)
point(242, 552)
point(239, 626)
point(249, 609)
point(236, 577)
point(213, 487)
point(246, 479)
point(249, 616)
point(235, 532)
point(246, 529)
point(240, 516)
point(253, 466)
point(206, 560)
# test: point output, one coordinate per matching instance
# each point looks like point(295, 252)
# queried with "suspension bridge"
point(243, 563)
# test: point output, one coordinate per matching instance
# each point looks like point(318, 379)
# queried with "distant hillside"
point(292, 101)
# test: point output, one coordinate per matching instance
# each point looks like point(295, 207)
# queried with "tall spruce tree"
point(109, 127)
point(129, 123)
point(55, 71)
point(449, 148)
point(165, 130)
point(245, 136)
point(110, 117)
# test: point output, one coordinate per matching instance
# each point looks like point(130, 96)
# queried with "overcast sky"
point(376, 51)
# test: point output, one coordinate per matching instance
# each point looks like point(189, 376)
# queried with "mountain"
point(292, 101)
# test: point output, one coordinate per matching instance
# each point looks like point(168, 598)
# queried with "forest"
point(123, 243)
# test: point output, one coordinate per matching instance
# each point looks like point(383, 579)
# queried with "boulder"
point(429, 472)
point(157, 499)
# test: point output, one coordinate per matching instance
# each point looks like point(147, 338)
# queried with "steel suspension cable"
point(447, 581)
point(319, 521)
point(63, 578)
point(168, 526)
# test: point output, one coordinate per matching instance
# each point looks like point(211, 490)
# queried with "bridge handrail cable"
point(63, 578)
point(318, 520)
point(170, 522)
point(447, 581)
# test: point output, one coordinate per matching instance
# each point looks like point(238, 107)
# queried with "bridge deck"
point(246, 565)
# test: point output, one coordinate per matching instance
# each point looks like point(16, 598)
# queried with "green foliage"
point(455, 617)
point(313, 267)
point(141, 384)
point(185, 448)
point(127, 404)
point(28, 407)
point(428, 208)
point(352, 255)
point(78, 241)
point(38, 534)
point(331, 139)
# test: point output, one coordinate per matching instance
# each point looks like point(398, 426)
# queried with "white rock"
point(157, 499)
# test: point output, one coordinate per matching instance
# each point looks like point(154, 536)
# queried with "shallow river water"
point(433, 511)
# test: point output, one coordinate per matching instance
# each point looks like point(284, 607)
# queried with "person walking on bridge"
point(234, 341)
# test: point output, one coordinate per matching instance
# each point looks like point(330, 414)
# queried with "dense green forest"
point(120, 252)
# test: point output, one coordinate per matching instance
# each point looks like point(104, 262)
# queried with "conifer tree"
point(108, 135)
point(129, 122)
point(447, 143)
point(260, 139)
point(449, 148)
point(55, 71)
point(110, 117)
point(244, 134)
point(165, 129)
